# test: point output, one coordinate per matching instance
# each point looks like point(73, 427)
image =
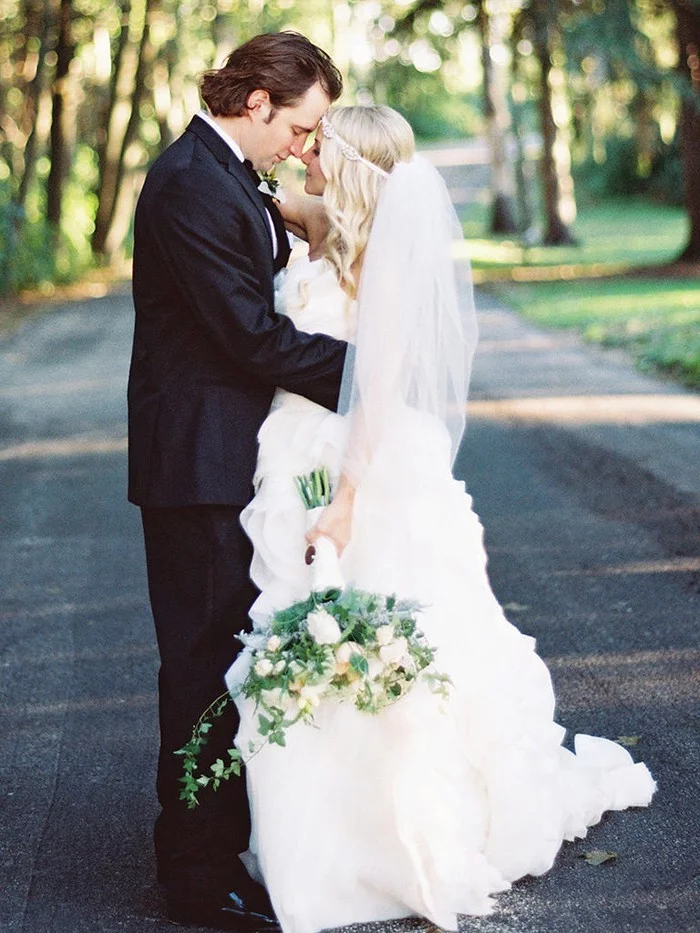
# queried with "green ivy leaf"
point(598, 856)
point(264, 725)
point(359, 663)
point(628, 740)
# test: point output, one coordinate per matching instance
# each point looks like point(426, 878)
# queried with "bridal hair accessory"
point(348, 151)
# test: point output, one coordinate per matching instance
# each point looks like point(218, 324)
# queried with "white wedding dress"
point(432, 806)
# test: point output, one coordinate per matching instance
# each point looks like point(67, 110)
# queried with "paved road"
point(586, 476)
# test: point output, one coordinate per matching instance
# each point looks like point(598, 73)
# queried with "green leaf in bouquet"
point(359, 663)
point(264, 725)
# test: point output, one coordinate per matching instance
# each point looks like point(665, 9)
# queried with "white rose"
point(273, 643)
point(264, 667)
point(279, 667)
point(273, 697)
point(344, 652)
point(279, 699)
point(385, 634)
point(394, 652)
point(309, 698)
point(323, 628)
point(375, 668)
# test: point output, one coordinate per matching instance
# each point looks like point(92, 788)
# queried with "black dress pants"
point(198, 560)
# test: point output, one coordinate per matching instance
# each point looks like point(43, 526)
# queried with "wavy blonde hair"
point(352, 190)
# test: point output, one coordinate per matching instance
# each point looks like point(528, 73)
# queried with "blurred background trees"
point(573, 99)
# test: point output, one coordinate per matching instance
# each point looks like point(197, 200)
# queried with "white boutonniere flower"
point(269, 184)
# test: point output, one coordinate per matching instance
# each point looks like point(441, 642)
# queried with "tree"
point(555, 162)
point(495, 77)
point(62, 122)
point(688, 33)
point(37, 22)
point(132, 65)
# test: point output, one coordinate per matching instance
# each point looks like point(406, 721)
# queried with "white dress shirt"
point(236, 149)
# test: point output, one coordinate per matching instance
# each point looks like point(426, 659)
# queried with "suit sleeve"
point(210, 245)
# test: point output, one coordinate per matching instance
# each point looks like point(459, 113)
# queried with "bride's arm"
point(305, 217)
point(336, 519)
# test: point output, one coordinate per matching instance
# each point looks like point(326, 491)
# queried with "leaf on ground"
point(598, 856)
point(628, 740)
point(515, 607)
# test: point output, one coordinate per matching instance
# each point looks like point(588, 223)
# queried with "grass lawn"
point(595, 289)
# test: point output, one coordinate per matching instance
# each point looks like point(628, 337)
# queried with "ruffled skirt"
point(432, 806)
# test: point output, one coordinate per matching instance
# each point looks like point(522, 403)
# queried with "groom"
point(208, 353)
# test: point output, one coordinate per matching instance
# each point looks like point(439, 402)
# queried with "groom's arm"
point(213, 250)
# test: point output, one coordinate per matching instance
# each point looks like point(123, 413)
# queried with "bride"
point(430, 807)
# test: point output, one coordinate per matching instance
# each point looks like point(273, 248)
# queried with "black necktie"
point(283, 248)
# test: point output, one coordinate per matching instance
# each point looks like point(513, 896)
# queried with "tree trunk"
point(496, 112)
point(32, 96)
point(37, 24)
point(60, 126)
point(112, 134)
point(688, 32)
point(144, 67)
point(557, 184)
point(130, 93)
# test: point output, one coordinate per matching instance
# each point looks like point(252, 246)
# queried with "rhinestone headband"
point(348, 151)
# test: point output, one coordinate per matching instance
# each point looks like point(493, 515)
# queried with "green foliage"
point(423, 100)
point(32, 255)
point(192, 780)
point(621, 173)
point(295, 665)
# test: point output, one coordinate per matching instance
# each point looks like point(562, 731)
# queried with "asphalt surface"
point(587, 478)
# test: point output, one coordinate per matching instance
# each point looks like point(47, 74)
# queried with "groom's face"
point(274, 135)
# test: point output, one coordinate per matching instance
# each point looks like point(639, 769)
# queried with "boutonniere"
point(269, 184)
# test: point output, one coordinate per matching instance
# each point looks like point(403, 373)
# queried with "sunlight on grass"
point(620, 234)
point(592, 287)
point(658, 320)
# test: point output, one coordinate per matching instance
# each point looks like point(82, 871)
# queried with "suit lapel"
point(227, 157)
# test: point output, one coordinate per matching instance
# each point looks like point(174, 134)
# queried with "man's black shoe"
point(233, 912)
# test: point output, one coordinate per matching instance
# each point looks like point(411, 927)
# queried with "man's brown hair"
point(285, 64)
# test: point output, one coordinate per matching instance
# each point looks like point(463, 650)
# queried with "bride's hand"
point(335, 521)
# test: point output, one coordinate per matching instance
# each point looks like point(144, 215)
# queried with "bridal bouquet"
point(338, 644)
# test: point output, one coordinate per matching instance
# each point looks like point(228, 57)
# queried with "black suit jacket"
point(209, 349)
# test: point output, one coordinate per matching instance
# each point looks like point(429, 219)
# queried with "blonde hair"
point(352, 190)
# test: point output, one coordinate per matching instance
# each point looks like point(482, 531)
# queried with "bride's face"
point(315, 179)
